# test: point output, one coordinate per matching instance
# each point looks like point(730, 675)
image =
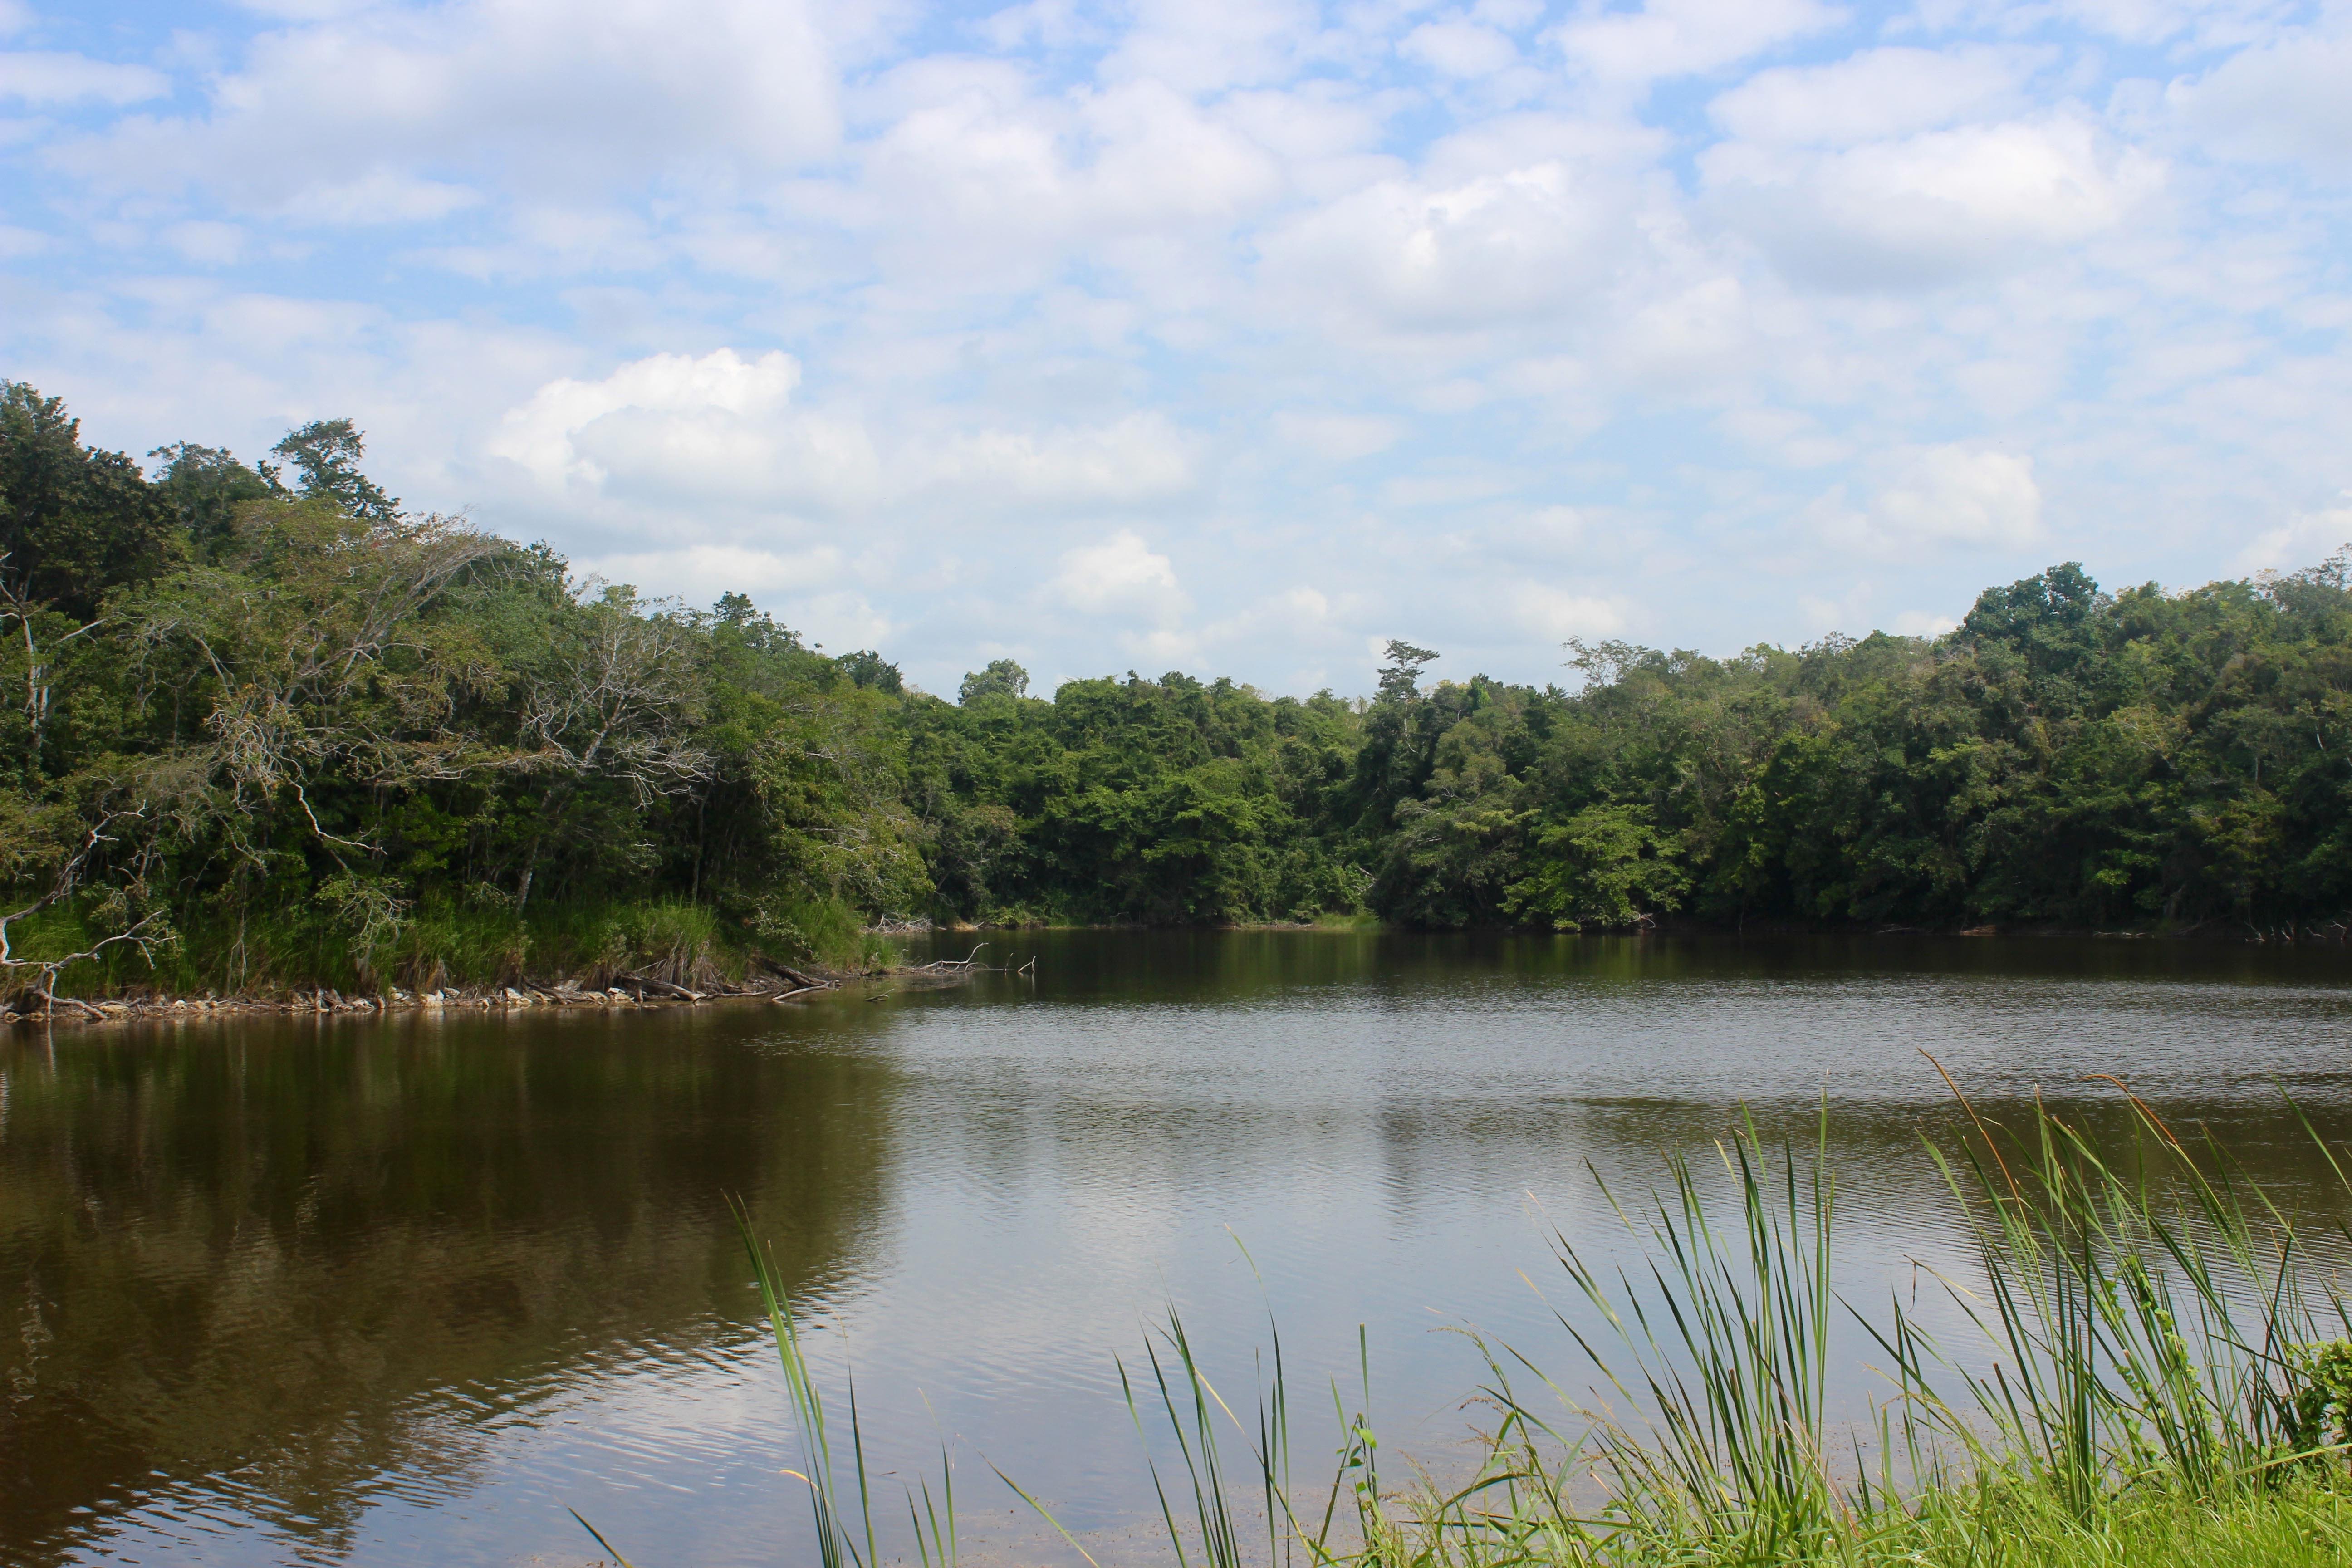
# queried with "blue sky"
point(1228, 337)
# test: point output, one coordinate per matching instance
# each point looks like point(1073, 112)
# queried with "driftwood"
point(627, 990)
point(968, 964)
point(663, 988)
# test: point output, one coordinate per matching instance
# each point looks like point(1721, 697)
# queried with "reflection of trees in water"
point(311, 1256)
point(1884, 1171)
point(1196, 966)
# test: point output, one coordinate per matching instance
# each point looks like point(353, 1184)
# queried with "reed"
point(2161, 1371)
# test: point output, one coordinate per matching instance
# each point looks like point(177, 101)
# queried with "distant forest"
point(265, 727)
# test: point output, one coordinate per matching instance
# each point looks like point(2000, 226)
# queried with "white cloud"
point(1868, 97)
point(1526, 236)
point(42, 78)
point(1949, 495)
point(379, 197)
point(1202, 46)
point(1142, 457)
point(1681, 37)
point(2283, 98)
point(2304, 539)
point(1928, 209)
point(983, 184)
point(1460, 48)
point(1689, 333)
point(1921, 623)
point(1336, 438)
point(1121, 576)
point(726, 429)
point(540, 94)
point(1556, 615)
point(670, 428)
point(542, 434)
point(842, 620)
point(217, 244)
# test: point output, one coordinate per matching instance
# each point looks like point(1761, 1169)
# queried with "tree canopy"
point(263, 733)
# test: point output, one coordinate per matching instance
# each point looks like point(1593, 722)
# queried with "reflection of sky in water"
point(390, 1291)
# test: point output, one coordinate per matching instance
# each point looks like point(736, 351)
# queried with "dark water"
point(400, 1292)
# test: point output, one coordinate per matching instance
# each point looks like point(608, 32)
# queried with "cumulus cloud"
point(1682, 37)
point(1921, 623)
point(2282, 98)
point(1142, 457)
point(1867, 97)
point(670, 425)
point(1537, 229)
point(977, 183)
point(2304, 539)
point(1963, 496)
point(1210, 45)
point(1124, 577)
point(1556, 615)
point(1951, 495)
point(540, 95)
point(673, 428)
point(1932, 209)
point(1459, 48)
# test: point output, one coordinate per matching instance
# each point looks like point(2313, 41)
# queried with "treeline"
point(270, 728)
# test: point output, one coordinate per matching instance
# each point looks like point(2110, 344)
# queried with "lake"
point(401, 1291)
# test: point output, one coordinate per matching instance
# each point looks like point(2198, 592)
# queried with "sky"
point(1230, 336)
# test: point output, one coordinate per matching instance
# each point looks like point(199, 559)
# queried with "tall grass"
point(2159, 1371)
point(2149, 1346)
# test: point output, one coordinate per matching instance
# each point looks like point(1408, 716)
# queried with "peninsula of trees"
point(261, 727)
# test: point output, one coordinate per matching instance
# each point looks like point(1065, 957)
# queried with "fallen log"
point(664, 988)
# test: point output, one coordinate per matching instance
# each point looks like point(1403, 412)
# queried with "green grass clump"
point(2161, 1378)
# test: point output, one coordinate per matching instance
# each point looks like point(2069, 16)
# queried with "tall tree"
point(74, 523)
point(327, 453)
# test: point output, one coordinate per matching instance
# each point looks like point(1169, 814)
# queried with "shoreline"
point(2337, 933)
point(643, 991)
point(626, 991)
point(631, 992)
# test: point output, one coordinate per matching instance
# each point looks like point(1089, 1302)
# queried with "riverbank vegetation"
point(265, 728)
point(2150, 1361)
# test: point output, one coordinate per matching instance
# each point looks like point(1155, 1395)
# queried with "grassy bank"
point(2153, 1369)
point(432, 946)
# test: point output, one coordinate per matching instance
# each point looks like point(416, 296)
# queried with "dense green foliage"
point(267, 732)
point(2064, 757)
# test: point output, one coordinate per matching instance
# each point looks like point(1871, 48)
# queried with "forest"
point(263, 727)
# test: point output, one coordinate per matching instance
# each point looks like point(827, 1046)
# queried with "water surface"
point(394, 1290)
